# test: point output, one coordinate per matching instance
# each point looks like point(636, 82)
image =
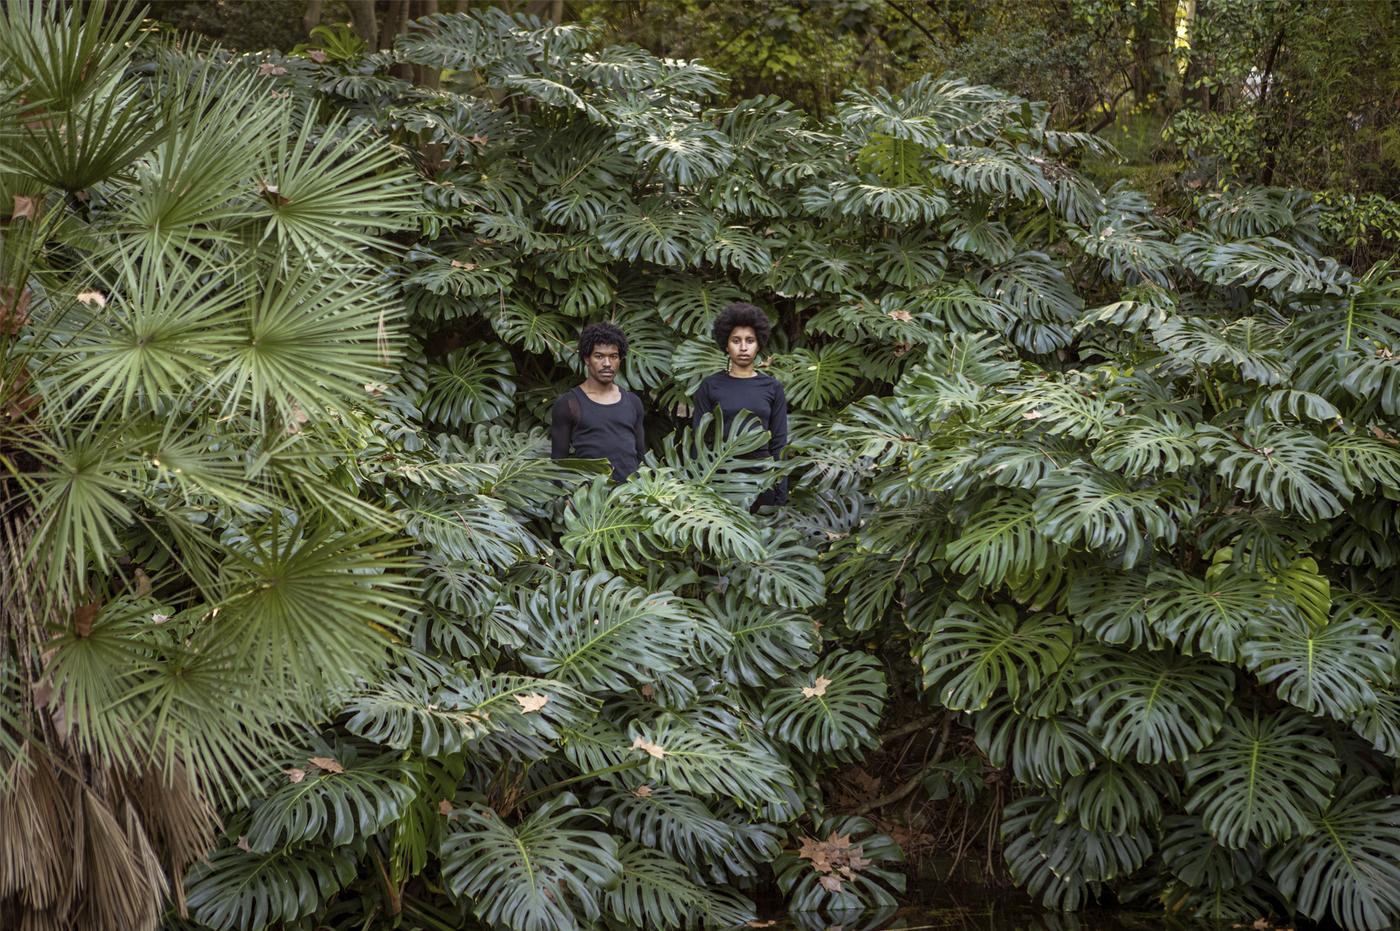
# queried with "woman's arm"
point(778, 425)
point(701, 405)
point(778, 438)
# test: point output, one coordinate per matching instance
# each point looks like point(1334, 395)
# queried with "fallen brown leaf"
point(26, 208)
point(642, 791)
point(91, 298)
point(295, 775)
point(83, 616)
point(316, 55)
point(817, 689)
point(533, 701)
point(327, 763)
point(243, 844)
point(445, 808)
point(14, 309)
point(641, 743)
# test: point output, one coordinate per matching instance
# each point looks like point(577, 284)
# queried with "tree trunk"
point(1191, 89)
point(395, 22)
point(1152, 44)
point(312, 18)
point(365, 24)
point(1271, 135)
point(426, 75)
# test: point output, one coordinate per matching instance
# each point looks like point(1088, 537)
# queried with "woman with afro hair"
point(742, 331)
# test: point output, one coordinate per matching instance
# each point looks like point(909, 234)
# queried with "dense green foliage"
point(1109, 495)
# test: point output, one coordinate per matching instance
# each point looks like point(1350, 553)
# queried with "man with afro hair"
point(598, 419)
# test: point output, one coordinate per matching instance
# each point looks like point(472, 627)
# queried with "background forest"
point(1087, 582)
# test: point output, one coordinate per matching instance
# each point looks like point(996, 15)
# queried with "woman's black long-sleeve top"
point(762, 395)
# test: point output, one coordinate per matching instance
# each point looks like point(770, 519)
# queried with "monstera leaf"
point(832, 708)
point(1329, 669)
point(678, 825)
point(1260, 778)
point(1042, 751)
point(656, 892)
point(1348, 868)
point(1198, 859)
point(335, 798)
point(690, 305)
point(814, 379)
point(471, 385)
point(674, 752)
point(1283, 467)
point(1153, 707)
point(604, 529)
point(598, 632)
point(1112, 606)
point(975, 652)
point(1001, 542)
point(786, 575)
point(1104, 511)
point(1211, 614)
point(1380, 724)
point(544, 874)
point(437, 713)
point(1063, 863)
point(235, 889)
point(767, 642)
point(1117, 797)
point(1140, 446)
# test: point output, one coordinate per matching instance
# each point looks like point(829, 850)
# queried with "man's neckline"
point(591, 400)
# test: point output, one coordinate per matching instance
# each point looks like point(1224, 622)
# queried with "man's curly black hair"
point(740, 314)
point(602, 334)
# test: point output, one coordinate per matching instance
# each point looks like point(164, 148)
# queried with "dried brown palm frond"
point(82, 845)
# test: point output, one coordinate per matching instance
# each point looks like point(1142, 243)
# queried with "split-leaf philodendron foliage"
point(1112, 494)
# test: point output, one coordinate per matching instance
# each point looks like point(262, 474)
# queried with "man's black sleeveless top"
point(584, 429)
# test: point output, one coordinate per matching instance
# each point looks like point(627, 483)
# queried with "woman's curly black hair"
point(740, 314)
point(602, 334)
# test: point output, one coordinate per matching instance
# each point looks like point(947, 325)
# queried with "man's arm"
point(561, 428)
point(639, 428)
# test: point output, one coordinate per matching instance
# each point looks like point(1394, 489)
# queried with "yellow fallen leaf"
point(817, 688)
point(92, 297)
point(295, 775)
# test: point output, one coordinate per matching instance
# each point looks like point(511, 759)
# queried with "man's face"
point(602, 363)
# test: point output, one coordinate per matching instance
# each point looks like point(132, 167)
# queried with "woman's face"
point(742, 346)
